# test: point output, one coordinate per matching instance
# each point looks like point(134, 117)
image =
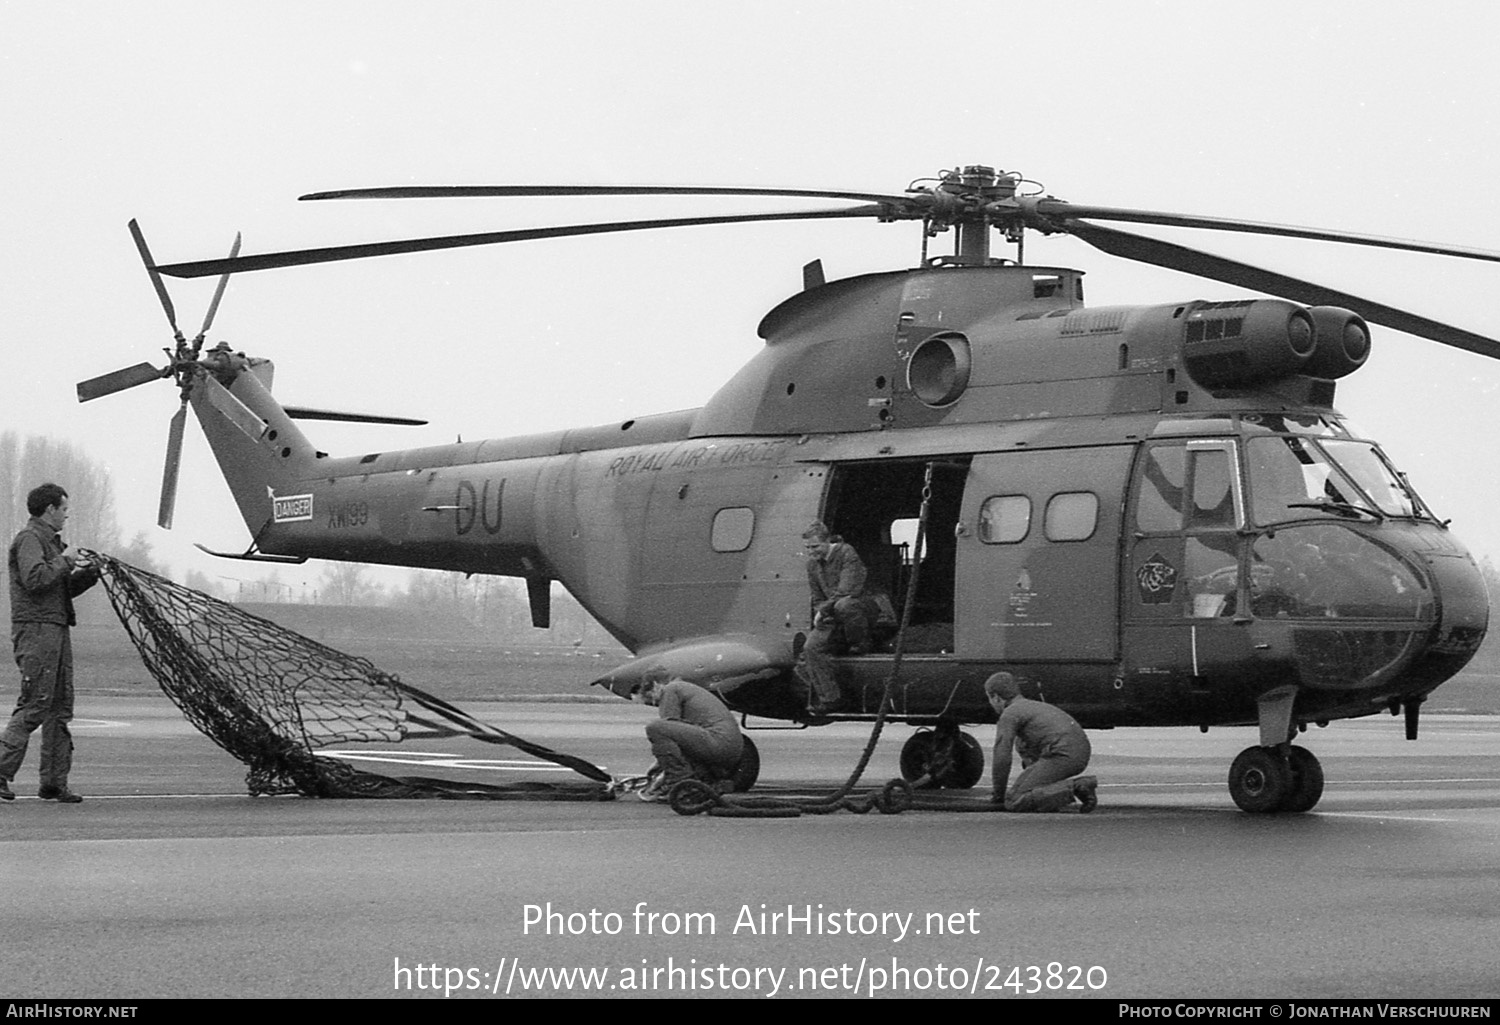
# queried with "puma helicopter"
point(1151, 515)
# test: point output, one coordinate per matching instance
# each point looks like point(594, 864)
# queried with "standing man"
point(45, 575)
point(694, 737)
point(1054, 750)
point(840, 613)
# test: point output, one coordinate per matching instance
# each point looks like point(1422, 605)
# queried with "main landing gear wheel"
point(748, 771)
point(1263, 779)
point(953, 759)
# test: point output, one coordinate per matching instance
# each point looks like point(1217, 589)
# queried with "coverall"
point(841, 617)
point(693, 730)
point(42, 586)
point(1053, 749)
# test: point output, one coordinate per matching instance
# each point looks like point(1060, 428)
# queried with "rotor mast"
point(972, 200)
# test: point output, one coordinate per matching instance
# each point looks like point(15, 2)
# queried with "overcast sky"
point(203, 119)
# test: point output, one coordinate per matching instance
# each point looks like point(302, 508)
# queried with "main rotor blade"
point(471, 191)
point(1218, 268)
point(213, 307)
point(152, 270)
point(334, 254)
point(169, 470)
point(1059, 210)
point(119, 380)
point(489, 191)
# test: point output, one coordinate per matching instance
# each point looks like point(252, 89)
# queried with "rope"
point(693, 797)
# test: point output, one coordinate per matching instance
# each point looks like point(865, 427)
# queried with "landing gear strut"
point(951, 759)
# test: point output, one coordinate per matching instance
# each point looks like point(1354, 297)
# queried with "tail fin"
point(260, 450)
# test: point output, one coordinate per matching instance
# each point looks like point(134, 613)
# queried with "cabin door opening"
point(876, 507)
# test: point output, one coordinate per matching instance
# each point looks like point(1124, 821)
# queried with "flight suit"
point(1054, 749)
point(841, 617)
point(42, 586)
point(694, 731)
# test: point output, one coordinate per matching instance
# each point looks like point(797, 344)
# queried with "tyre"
point(957, 758)
point(968, 764)
point(916, 757)
point(1306, 783)
point(748, 770)
point(1259, 780)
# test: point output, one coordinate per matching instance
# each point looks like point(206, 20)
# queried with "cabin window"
point(1004, 519)
point(902, 535)
point(1072, 516)
point(733, 528)
point(1045, 286)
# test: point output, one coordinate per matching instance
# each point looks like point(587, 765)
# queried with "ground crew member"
point(1053, 747)
point(694, 737)
point(840, 613)
point(45, 576)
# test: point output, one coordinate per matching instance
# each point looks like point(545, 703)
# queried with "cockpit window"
point(1159, 503)
point(1291, 478)
point(1376, 478)
point(1293, 423)
point(1327, 571)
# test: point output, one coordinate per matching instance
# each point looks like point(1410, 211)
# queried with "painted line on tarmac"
point(1408, 782)
point(91, 798)
point(98, 724)
point(1150, 785)
point(1383, 817)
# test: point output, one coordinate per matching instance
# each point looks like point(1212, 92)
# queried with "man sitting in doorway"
point(841, 613)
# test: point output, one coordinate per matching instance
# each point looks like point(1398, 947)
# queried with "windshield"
point(1291, 478)
point(1375, 477)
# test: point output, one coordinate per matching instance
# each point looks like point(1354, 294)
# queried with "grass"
point(478, 669)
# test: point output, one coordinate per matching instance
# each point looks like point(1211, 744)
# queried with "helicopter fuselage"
point(1151, 515)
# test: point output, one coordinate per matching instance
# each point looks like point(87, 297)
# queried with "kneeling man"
point(1054, 750)
point(695, 736)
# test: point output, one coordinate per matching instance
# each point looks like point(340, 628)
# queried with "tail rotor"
point(182, 367)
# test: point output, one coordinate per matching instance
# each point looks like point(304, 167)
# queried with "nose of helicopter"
point(1463, 610)
point(1398, 608)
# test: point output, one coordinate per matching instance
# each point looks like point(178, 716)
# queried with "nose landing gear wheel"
point(1306, 781)
point(1260, 780)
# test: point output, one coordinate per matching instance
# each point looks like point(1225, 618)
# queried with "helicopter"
point(1152, 515)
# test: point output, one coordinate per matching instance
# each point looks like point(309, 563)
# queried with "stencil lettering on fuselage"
point(291, 508)
point(470, 507)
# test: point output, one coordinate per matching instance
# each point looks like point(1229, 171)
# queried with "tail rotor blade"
point(119, 380)
point(213, 307)
point(169, 471)
point(161, 288)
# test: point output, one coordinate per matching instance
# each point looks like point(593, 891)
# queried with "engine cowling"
point(1343, 342)
point(1247, 342)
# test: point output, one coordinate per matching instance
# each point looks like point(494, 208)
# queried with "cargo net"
point(272, 698)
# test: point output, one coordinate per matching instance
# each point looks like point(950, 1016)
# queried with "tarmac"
point(169, 881)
